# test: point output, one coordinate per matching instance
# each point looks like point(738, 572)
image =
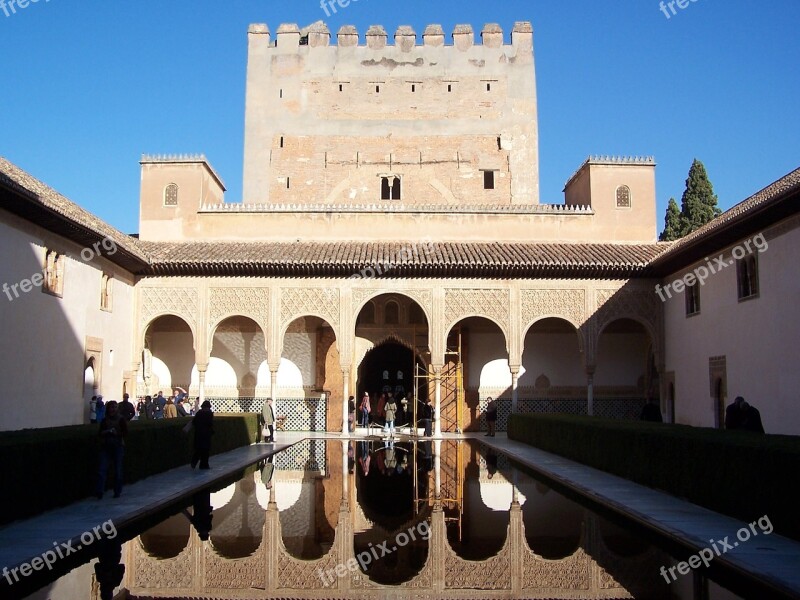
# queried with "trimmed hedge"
point(42, 469)
point(740, 474)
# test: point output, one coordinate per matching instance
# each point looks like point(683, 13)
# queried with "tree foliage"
point(698, 205)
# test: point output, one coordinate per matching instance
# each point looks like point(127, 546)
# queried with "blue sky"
point(87, 87)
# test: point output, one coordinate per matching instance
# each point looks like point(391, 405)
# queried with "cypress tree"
point(698, 206)
point(699, 203)
point(673, 223)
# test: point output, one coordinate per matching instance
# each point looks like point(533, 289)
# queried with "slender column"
point(437, 467)
point(273, 385)
point(345, 474)
point(590, 391)
point(201, 374)
point(345, 401)
point(437, 400)
point(515, 389)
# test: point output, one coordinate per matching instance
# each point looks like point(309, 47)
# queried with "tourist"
point(100, 409)
point(180, 407)
point(651, 412)
point(149, 408)
point(203, 425)
point(126, 409)
point(351, 413)
point(180, 394)
point(93, 410)
point(268, 418)
point(113, 429)
point(160, 403)
point(424, 416)
point(390, 410)
point(366, 409)
point(733, 414)
point(751, 418)
point(380, 409)
point(170, 411)
point(491, 417)
point(140, 410)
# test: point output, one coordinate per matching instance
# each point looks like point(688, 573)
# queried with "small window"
point(488, 180)
point(341, 87)
point(692, 299)
point(413, 88)
point(281, 141)
point(288, 183)
point(53, 273)
point(377, 89)
point(171, 195)
point(106, 287)
point(449, 87)
point(623, 197)
point(280, 95)
point(390, 187)
point(392, 313)
point(747, 277)
point(488, 87)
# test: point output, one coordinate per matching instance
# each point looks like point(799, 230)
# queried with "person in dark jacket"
point(751, 419)
point(733, 414)
point(203, 425)
point(113, 430)
point(127, 409)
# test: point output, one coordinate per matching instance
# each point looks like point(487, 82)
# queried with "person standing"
point(203, 425)
point(734, 413)
point(113, 430)
point(140, 410)
point(365, 410)
point(390, 410)
point(160, 403)
point(93, 410)
point(491, 416)
point(100, 409)
point(149, 408)
point(126, 409)
point(268, 416)
point(170, 410)
point(351, 414)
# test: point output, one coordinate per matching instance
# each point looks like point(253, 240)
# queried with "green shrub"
point(740, 474)
point(42, 469)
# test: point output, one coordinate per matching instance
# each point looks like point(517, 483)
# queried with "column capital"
point(590, 369)
point(202, 368)
point(515, 369)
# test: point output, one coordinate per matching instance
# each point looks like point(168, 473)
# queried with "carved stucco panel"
point(247, 302)
point(570, 304)
point(182, 302)
point(154, 573)
point(298, 302)
point(224, 573)
point(571, 573)
point(494, 304)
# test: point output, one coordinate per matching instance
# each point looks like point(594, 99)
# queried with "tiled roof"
point(761, 210)
point(26, 196)
point(402, 259)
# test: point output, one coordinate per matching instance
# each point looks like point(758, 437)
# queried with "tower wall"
point(324, 123)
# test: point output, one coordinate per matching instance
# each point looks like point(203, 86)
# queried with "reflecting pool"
point(387, 519)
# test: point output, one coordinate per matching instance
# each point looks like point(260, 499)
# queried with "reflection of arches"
point(553, 523)
point(238, 524)
point(168, 538)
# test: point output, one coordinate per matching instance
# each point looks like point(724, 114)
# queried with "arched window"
point(392, 313)
point(53, 273)
point(171, 195)
point(747, 276)
point(106, 286)
point(693, 299)
point(623, 197)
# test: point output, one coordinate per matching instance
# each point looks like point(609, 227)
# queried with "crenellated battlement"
point(405, 38)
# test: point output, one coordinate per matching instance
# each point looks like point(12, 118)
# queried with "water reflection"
point(420, 517)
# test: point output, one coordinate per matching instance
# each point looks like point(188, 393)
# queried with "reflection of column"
point(345, 473)
point(437, 396)
point(437, 467)
point(514, 388)
point(345, 401)
point(590, 391)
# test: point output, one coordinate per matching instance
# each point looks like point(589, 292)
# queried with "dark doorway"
point(390, 367)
